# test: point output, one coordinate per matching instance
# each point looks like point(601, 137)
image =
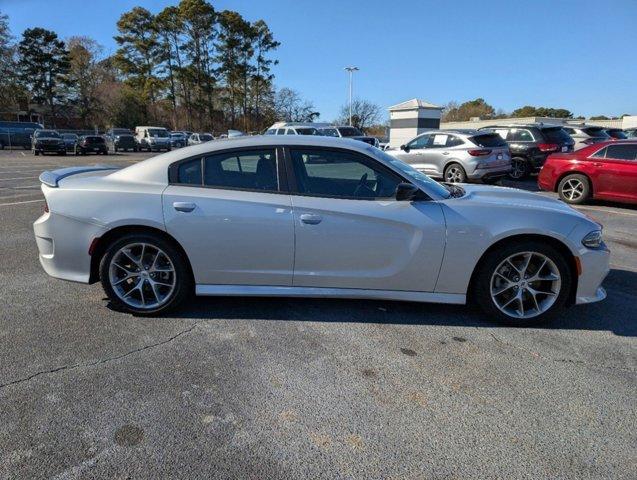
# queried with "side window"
point(250, 170)
point(503, 132)
point(280, 131)
point(622, 152)
point(420, 142)
point(520, 136)
point(600, 153)
point(329, 173)
point(189, 172)
point(438, 140)
point(454, 141)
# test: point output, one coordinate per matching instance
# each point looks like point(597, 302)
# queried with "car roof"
point(154, 169)
point(524, 125)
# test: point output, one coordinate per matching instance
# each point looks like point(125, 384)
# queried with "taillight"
point(548, 147)
point(46, 207)
point(480, 153)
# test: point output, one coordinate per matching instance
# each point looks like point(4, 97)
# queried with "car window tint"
point(280, 131)
point(420, 142)
point(520, 136)
point(600, 153)
point(454, 141)
point(489, 140)
point(330, 173)
point(502, 132)
point(622, 152)
point(252, 170)
point(189, 172)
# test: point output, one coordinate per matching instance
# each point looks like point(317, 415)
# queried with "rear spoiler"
point(52, 178)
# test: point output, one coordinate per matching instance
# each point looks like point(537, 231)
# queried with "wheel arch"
point(554, 242)
point(100, 245)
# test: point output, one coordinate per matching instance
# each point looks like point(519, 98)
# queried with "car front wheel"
point(523, 283)
point(145, 274)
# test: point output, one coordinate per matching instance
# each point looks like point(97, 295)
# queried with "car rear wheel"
point(519, 168)
point(145, 274)
point(574, 189)
point(524, 283)
point(454, 173)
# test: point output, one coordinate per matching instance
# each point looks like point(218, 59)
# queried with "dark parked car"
point(178, 139)
point(348, 132)
point(48, 141)
point(530, 144)
point(91, 144)
point(616, 133)
point(17, 134)
point(120, 139)
point(70, 140)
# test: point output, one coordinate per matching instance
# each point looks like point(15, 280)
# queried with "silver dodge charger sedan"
point(313, 217)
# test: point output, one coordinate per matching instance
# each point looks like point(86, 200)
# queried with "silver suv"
point(458, 155)
point(584, 135)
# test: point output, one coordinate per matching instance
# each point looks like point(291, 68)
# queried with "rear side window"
point(250, 170)
point(622, 152)
point(489, 140)
point(189, 173)
point(519, 135)
point(454, 141)
point(556, 135)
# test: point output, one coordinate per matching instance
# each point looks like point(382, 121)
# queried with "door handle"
point(597, 164)
point(311, 219)
point(184, 206)
point(445, 153)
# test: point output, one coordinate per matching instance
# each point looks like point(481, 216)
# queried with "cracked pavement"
point(292, 388)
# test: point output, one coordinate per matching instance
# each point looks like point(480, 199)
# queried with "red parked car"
point(605, 170)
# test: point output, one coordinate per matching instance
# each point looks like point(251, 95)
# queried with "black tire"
point(454, 173)
point(574, 189)
point(520, 168)
point(183, 286)
point(1, 146)
point(481, 282)
point(36, 153)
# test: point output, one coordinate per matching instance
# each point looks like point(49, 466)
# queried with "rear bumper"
point(488, 173)
point(63, 245)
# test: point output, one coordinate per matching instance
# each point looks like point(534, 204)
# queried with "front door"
point(352, 233)
point(417, 154)
point(232, 218)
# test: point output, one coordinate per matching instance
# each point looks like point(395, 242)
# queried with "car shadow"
point(616, 314)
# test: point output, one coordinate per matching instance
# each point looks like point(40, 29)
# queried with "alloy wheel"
point(517, 169)
point(454, 175)
point(573, 189)
point(525, 285)
point(142, 276)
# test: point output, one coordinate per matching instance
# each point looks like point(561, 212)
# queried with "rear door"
point(232, 214)
point(616, 170)
point(352, 233)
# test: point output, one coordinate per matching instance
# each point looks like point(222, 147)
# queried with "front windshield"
point(69, 136)
point(414, 175)
point(47, 133)
point(350, 132)
point(157, 132)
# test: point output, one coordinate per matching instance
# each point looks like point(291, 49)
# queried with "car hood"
point(57, 139)
point(513, 197)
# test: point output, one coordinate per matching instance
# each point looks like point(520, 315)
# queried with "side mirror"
point(407, 191)
point(404, 148)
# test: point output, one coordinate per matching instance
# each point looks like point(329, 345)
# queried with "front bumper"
point(50, 148)
point(63, 245)
point(594, 269)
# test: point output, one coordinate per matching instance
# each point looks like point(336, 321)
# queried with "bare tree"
point(364, 114)
point(290, 107)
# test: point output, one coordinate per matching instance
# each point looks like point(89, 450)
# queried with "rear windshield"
point(489, 140)
point(556, 135)
point(350, 132)
point(595, 131)
point(307, 131)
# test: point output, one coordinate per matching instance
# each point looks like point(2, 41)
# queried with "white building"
point(411, 118)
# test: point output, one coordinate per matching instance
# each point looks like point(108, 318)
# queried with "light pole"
point(351, 71)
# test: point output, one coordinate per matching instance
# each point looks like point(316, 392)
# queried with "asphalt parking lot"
point(287, 388)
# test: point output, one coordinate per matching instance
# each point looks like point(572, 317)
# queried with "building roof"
point(413, 104)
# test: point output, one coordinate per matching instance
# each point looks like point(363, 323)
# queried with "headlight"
point(593, 239)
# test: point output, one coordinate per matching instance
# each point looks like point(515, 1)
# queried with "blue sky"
point(574, 54)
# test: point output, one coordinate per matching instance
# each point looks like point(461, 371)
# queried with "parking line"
point(17, 178)
point(20, 203)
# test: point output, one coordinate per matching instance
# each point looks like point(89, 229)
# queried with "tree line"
point(188, 66)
